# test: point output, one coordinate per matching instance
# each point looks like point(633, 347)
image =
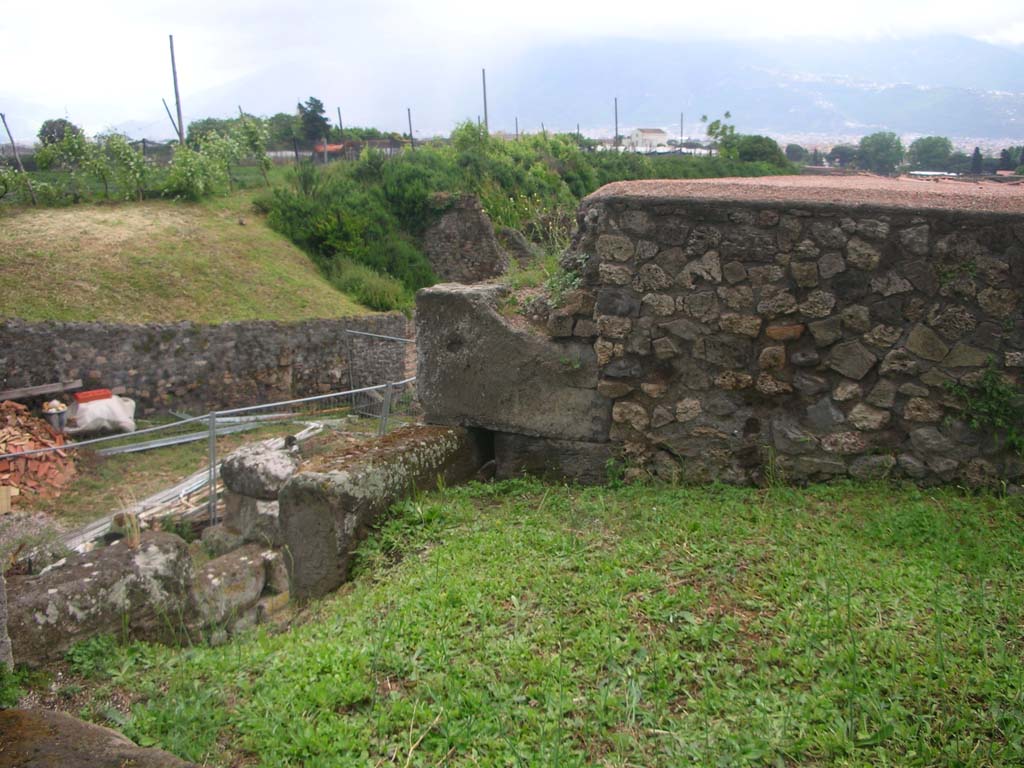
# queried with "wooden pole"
point(341, 128)
point(412, 141)
point(544, 130)
point(177, 95)
point(17, 159)
point(170, 117)
point(487, 126)
point(517, 128)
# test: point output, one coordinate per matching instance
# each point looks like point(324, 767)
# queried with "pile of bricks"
point(42, 474)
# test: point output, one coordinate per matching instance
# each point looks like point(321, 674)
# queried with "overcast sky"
point(104, 64)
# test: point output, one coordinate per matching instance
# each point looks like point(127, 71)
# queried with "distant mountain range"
point(942, 85)
point(951, 86)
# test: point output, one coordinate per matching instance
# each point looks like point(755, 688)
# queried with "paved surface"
point(854, 190)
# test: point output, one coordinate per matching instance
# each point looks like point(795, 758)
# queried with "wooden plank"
point(41, 389)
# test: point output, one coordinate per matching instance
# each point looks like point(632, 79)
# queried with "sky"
point(107, 64)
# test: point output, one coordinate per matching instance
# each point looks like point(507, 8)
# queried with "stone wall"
point(196, 367)
point(461, 245)
point(741, 332)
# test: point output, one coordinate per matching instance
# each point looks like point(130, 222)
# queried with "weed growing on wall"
point(993, 403)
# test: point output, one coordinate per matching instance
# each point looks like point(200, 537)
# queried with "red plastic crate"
point(92, 394)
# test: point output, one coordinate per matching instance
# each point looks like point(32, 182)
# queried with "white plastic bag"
point(112, 414)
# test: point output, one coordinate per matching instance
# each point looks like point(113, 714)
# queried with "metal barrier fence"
point(364, 412)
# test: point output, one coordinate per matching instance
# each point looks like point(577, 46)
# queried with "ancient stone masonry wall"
point(816, 339)
point(461, 245)
point(196, 367)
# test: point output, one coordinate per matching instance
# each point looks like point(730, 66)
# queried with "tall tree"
point(796, 153)
point(54, 131)
point(880, 152)
point(977, 164)
point(842, 155)
point(313, 119)
point(930, 153)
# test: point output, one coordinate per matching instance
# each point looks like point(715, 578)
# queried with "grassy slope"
point(533, 625)
point(157, 261)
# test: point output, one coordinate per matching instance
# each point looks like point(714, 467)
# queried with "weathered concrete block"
point(475, 370)
point(325, 514)
point(144, 590)
point(557, 460)
point(37, 738)
point(258, 471)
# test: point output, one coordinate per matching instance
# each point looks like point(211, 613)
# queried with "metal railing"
point(367, 411)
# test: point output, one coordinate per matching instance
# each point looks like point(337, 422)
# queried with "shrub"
point(368, 287)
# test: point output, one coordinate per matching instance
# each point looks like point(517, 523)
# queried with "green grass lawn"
point(525, 625)
point(158, 261)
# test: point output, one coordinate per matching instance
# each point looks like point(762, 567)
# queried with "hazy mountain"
point(950, 86)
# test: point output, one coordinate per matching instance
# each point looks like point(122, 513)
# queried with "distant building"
point(646, 139)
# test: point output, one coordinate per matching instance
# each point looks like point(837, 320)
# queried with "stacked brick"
point(42, 474)
point(738, 338)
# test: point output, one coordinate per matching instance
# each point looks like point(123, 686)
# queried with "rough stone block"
point(38, 738)
point(475, 370)
point(925, 343)
point(852, 360)
point(227, 587)
point(148, 588)
point(258, 471)
point(325, 514)
point(256, 521)
point(556, 460)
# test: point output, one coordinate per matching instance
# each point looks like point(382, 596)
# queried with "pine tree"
point(976, 163)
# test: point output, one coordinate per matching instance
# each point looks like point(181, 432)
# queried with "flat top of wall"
point(859, 190)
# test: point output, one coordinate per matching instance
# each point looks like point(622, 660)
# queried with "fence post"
point(385, 410)
point(212, 446)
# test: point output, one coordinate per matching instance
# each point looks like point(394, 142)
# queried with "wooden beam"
point(41, 389)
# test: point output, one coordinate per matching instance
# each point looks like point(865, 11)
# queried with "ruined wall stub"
point(741, 328)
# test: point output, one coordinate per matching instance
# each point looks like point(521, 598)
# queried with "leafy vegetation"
point(522, 624)
point(994, 404)
point(373, 211)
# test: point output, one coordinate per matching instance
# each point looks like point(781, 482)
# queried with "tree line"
point(884, 153)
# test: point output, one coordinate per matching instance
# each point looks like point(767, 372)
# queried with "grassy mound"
point(158, 261)
point(519, 624)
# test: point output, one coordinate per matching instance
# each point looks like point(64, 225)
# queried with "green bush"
point(368, 287)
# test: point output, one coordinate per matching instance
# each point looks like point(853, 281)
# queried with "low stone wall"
point(325, 514)
point(198, 367)
point(739, 331)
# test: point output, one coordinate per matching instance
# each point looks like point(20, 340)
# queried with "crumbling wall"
point(748, 337)
point(197, 367)
point(461, 245)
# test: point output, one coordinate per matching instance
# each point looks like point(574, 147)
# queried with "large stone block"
point(258, 471)
point(229, 586)
point(145, 590)
point(476, 370)
point(37, 738)
point(325, 514)
point(557, 460)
